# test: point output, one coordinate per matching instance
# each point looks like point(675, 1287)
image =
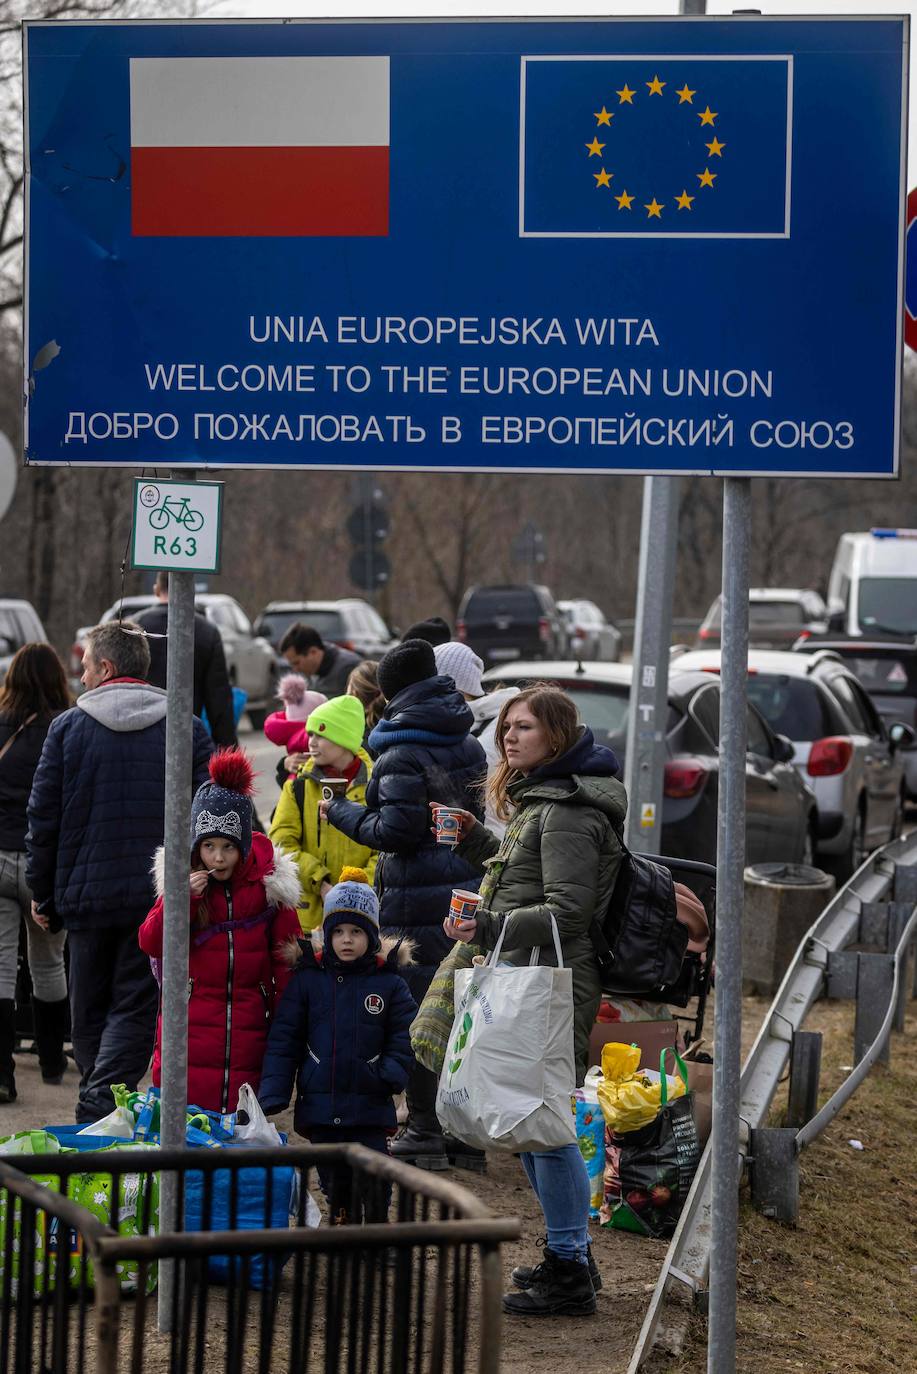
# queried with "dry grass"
point(837, 1291)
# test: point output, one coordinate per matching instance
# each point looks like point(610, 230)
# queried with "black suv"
point(505, 623)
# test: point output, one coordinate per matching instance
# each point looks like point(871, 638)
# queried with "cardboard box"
point(652, 1036)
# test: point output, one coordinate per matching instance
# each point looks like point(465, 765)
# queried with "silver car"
point(249, 658)
point(843, 749)
point(590, 636)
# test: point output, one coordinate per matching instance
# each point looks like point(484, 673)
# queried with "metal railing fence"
point(420, 1292)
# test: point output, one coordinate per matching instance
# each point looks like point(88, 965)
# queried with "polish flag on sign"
point(259, 146)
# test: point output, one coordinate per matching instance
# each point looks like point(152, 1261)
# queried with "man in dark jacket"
point(96, 816)
point(212, 688)
point(327, 665)
point(424, 754)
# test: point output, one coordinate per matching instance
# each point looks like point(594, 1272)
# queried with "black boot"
point(7, 1045)
point(421, 1142)
point(524, 1276)
point(52, 1023)
point(464, 1156)
point(563, 1288)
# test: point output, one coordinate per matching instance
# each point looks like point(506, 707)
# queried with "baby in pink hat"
point(287, 728)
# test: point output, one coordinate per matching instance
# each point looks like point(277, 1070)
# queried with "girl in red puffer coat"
point(244, 895)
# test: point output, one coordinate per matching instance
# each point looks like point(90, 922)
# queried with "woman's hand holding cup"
point(461, 923)
point(450, 823)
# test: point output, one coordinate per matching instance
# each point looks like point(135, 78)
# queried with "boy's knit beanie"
point(461, 663)
point(434, 630)
point(404, 665)
point(342, 720)
point(298, 701)
point(222, 808)
point(353, 901)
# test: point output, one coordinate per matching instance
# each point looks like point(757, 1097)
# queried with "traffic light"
point(368, 526)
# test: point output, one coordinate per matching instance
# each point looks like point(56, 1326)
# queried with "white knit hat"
point(462, 664)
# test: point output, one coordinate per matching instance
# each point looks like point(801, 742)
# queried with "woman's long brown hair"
point(553, 709)
point(364, 685)
point(35, 684)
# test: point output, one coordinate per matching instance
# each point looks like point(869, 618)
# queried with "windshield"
point(886, 673)
point(888, 604)
point(791, 706)
point(273, 625)
point(775, 613)
point(518, 602)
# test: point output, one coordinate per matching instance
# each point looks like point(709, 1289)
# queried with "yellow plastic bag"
point(628, 1099)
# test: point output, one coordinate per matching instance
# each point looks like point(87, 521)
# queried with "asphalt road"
point(264, 756)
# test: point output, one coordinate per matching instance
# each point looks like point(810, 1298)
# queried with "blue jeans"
point(561, 1185)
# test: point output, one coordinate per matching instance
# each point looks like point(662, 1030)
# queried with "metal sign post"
point(730, 868)
point(645, 749)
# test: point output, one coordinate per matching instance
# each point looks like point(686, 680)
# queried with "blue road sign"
point(601, 245)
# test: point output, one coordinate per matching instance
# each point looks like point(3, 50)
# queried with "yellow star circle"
point(654, 209)
point(625, 95)
point(595, 148)
point(655, 86)
point(602, 178)
point(603, 117)
point(625, 202)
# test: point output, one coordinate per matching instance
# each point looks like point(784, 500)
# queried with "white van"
point(872, 589)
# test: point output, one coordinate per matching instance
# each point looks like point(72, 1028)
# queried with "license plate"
point(505, 653)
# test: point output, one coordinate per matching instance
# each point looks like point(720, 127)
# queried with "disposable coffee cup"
point(333, 787)
point(463, 905)
point(448, 822)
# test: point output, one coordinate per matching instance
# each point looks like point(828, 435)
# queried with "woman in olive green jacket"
point(559, 857)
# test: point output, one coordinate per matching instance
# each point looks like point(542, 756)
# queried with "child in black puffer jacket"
point(341, 1032)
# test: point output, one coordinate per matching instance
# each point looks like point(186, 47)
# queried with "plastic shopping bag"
point(630, 1099)
point(509, 1068)
point(590, 1136)
point(252, 1126)
point(649, 1171)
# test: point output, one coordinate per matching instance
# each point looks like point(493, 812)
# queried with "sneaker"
point(562, 1288)
point(523, 1276)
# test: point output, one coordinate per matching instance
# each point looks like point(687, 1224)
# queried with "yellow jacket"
point(319, 851)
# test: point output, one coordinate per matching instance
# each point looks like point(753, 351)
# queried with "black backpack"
point(639, 942)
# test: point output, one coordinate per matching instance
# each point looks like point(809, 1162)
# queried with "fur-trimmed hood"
point(393, 951)
point(265, 863)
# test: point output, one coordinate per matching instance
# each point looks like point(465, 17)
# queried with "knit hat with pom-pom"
point(222, 808)
point(353, 900)
point(298, 701)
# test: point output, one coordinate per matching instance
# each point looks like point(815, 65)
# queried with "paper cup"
point(463, 905)
point(333, 787)
point(448, 822)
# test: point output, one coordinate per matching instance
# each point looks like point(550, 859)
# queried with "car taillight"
point(76, 660)
point(346, 644)
point(683, 779)
point(461, 632)
point(544, 629)
point(706, 632)
point(829, 756)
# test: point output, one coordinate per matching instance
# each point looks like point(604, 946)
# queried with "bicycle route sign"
point(176, 525)
point(598, 245)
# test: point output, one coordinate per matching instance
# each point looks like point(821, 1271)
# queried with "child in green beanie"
point(320, 851)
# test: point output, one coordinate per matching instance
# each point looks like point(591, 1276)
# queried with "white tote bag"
point(509, 1069)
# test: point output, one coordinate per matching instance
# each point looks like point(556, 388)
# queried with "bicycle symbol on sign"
point(179, 509)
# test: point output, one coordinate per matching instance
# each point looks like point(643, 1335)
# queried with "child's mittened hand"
point(198, 882)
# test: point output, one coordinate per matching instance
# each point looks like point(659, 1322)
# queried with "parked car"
point(502, 623)
point(19, 624)
point(781, 812)
point(887, 668)
point(249, 658)
point(589, 635)
point(350, 622)
point(776, 617)
point(872, 589)
point(841, 746)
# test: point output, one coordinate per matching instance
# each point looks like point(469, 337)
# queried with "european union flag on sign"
point(636, 147)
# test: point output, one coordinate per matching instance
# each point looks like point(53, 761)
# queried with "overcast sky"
point(274, 9)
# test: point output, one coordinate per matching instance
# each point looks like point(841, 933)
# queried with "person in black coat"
point(34, 692)
point(342, 1033)
point(424, 754)
point(96, 816)
point(212, 688)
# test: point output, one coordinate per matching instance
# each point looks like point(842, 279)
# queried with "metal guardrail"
point(421, 1291)
point(687, 1259)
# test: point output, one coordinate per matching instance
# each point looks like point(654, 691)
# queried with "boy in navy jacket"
point(342, 1032)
